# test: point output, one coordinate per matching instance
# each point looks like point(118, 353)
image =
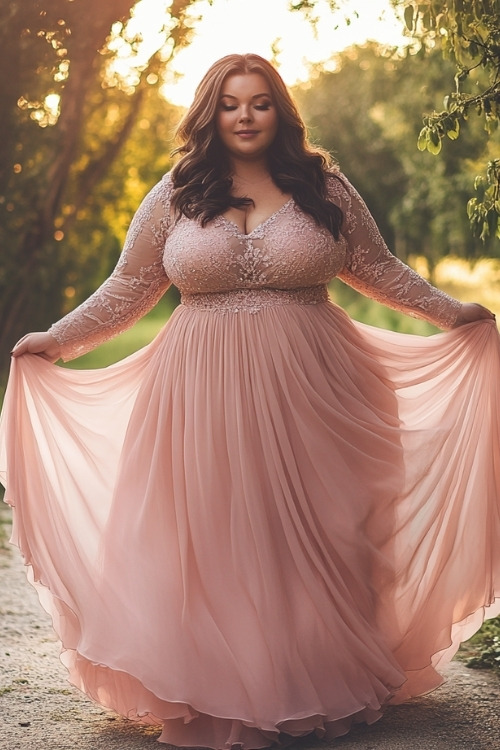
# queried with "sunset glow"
point(268, 28)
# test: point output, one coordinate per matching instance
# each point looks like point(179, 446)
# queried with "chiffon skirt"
point(261, 524)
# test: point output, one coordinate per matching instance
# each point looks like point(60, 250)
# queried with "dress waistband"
point(253, 300)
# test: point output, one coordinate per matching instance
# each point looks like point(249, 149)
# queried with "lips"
point(247, 132)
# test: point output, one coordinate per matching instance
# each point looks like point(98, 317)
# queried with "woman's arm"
point(134, 287)
point(374, 271)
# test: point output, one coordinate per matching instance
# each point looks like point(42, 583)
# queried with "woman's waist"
point(253, 300)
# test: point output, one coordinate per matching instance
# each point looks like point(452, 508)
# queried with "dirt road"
point(39, 710)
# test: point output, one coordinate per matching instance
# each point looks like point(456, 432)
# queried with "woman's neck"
point(248, 172)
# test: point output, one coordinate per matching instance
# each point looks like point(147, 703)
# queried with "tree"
point(65, 118)
point(468, 33)
point(367, 111)
point(337, 106)
point(94, 238)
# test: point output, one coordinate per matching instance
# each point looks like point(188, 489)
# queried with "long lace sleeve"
point(135, 286)
point(374, 271)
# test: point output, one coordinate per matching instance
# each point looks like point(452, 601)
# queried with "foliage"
point(484, 209)
point(308, 6)
point(338, 106)
point(367, 111)
point(93, 243)
point(67, 113)
point(469, 33)
point(485, 646)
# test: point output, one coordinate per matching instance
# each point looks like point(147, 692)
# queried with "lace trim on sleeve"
point(135, 286)
point(374, 271)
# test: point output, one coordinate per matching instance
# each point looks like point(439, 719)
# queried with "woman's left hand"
point(470, 312)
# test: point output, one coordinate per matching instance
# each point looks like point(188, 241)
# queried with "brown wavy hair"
point(202, 177)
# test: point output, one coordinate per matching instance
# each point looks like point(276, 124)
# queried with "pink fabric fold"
point(261, 524)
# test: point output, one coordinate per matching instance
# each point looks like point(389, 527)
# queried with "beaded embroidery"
point(287, 258)
point(254, 300)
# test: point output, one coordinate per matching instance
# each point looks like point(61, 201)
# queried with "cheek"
point(218, 125)
point(223, 123)
point(272, 122)
point(273, 126)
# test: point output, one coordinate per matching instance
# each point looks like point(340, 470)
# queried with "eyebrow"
point(255, 96)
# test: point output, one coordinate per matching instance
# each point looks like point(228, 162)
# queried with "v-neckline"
point(276, 213)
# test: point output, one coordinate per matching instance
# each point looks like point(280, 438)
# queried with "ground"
point(41, 711)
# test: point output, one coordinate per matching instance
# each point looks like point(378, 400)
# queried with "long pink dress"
point(271, 520)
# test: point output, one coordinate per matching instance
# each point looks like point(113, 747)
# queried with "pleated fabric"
point(261, 524)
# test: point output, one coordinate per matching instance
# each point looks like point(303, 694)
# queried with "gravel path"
point(39, 710)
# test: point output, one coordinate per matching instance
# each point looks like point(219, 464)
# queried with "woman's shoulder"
point(162, 190)
point(157, 200)
point(167, 181)
point(336, 176)
point(338, 186)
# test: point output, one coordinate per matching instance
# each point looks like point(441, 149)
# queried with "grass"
point(5, 522)
point(482, 651)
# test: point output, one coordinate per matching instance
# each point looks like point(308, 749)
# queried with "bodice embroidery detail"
point(279, 259)
point(260, 228)
point(254, 300)
point(287, 250)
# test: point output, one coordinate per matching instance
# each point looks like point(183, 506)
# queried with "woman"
point(272, 520)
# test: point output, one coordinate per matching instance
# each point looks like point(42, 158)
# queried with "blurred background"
point(405, 96)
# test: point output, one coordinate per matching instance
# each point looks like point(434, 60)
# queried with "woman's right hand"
point(42, 344)
point(471, 312)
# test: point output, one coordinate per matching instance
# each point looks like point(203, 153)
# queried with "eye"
point(227, 107)
point(263, 107)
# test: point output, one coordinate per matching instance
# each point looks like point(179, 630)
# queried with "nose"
point(245, 114)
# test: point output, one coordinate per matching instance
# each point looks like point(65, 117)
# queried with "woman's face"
point(247, 121)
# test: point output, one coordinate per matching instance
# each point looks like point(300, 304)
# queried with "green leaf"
point(453, 131)
point(409, 13)
point(478, 182)
point(491, 125)
point(441, 21)
point(493, 171)
point(434, 148)
point(480, 188)
point(471, 207)
point(434, 142)
point(485, 231)
point(423, 139)
point(482, 31)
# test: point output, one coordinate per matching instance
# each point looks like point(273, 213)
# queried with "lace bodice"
point(288, 251)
